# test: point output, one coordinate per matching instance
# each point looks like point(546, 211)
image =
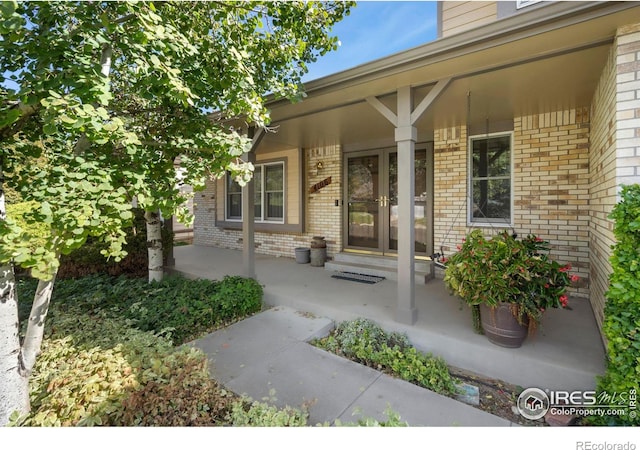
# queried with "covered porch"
point(566, 353)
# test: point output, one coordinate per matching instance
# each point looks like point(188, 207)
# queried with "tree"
point(107, 96)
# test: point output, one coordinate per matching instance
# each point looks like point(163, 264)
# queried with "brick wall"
point(322, 216)
point(550, 186)
point(627, 47)
point(602, 189)
point(450, 188)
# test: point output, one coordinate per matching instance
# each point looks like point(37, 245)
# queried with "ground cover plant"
point(175, 307)
point(364, 341)
point(98, 365)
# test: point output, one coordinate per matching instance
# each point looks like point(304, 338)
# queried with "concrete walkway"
point(267, 357)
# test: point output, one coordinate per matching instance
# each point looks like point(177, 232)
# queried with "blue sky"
point(375, 29)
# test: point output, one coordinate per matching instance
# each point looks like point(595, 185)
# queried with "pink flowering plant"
point(506, 269)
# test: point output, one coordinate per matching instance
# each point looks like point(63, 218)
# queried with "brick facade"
point(450, 188)
point(322, 216)
point(550, 186)
point(602, 189)
point(615, 151)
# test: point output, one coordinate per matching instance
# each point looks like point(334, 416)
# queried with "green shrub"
point(185, 308)
point(259, 414)
point(360, 337)
point(96, 369)
point(189, 308)
point(88, 260)
point(621, 324)
point(183, 395)
point(363, 341)
point(393, 420)
point(88, 364)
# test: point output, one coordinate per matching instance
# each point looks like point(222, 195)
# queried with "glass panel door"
point(363, 208)
point(420, 202)
point(371, 201)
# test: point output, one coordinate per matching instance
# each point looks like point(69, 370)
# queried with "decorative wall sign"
point(316, 187)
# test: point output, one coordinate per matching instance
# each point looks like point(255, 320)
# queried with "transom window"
point(269, 194)
point(490, 179)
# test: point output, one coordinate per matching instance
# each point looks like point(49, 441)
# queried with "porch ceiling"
point(515, 74)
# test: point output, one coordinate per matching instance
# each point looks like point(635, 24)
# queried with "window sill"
point(269, 227)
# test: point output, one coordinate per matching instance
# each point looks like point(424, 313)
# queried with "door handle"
point(383, 201)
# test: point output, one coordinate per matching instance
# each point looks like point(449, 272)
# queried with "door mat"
point(358, 277)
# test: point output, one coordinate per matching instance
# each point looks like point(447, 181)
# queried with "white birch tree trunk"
point(14, 387)
point(154, 245)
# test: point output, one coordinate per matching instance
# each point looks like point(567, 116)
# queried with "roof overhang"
point(545, 60)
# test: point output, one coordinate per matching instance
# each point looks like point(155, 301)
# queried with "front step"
point(380, 266)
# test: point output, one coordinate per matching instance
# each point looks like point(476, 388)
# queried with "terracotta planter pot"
point(501, 328)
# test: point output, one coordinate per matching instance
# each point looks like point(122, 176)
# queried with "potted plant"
point(512, 280)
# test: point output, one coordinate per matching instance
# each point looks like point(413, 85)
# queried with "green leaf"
point(49, 128)
point(9, 116)
point(155, 61)
point(66, 119)
point(8, 7)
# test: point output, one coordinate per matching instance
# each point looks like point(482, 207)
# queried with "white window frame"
point(524, 3)
point(488, 222)
point(262, 168)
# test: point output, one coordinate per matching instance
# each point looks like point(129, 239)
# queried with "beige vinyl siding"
point(462, 16)
point(292, 164)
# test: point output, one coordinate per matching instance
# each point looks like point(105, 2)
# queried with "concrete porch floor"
point(565, 353)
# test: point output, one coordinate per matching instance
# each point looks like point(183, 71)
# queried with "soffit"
point(521, 75)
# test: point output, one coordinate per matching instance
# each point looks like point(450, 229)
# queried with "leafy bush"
point(185, 308)
point(360, 337)
point(363, 341)
point(88, 260)
point(259, 414)
point(87, 366)
point(393, 420)
point(621, 325)
point(183, 395)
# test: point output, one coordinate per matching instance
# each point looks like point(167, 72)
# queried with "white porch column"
point(406, 136)
point(248, 224)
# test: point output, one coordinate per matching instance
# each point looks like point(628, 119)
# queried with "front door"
point(371, 201)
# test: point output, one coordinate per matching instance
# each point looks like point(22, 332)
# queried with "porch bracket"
point(429, 99)
point(382, 109)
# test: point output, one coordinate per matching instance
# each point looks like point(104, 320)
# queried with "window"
point(525, 3)
point(269, 194)
point(490, 179)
